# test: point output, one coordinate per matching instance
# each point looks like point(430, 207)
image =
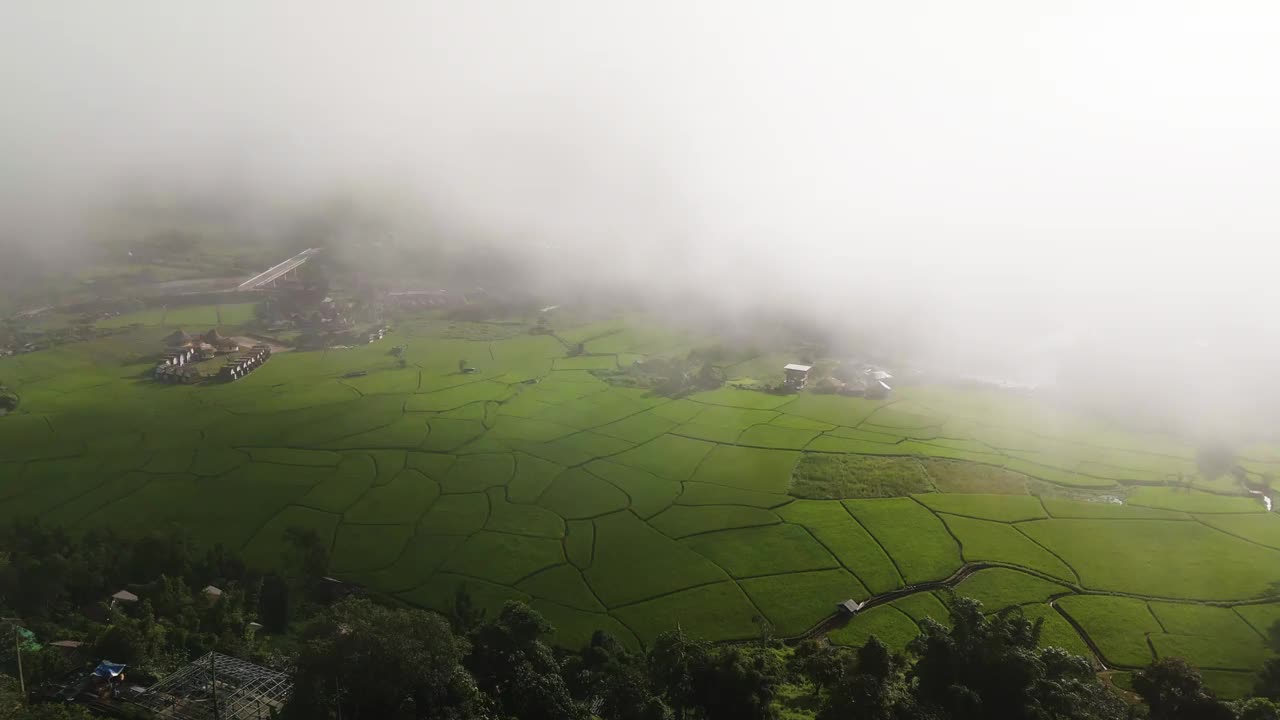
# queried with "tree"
point(1173, 690)
point(273, 603)
point(614, 679)
point(377, 662)
point(734, 684)
point(674, 661)
point(14, 707)
point(512, 664)
point(310, 552)
point(1257, 709)
point(822, 665)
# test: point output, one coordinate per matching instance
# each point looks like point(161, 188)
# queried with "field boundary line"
point(1037, 543)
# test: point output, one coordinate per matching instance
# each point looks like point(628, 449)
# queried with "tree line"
point(373, 658)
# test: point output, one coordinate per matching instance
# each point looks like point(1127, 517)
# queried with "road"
point(275, 272)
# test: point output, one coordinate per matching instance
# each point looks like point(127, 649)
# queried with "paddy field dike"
point(607, 507)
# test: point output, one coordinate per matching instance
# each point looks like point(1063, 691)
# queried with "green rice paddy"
point(724, 512)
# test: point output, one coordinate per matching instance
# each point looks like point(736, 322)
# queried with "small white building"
point(878, 383)
point(797, 375)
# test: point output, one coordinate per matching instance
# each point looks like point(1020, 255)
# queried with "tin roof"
point(797, 368)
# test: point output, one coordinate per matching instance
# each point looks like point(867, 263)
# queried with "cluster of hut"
point(238, 367)
point(855, 379)
point(177, 364)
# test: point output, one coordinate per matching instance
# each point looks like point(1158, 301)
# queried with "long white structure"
point(279, 270)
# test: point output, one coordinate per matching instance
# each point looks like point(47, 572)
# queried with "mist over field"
point(1024, 191)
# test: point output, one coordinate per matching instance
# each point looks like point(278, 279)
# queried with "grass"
point(1261, 528)
point(720, 610)
point(919, 606)
point(1063, 508)
point(987, 540)
point(824, 476)
point(368, 547)
point(778, 437)
point(476, 473)
point(576, 494)
point(638, 428)
point(769, 550)
point(1207, 636)
point(1165, 558)
point(951, 476)
point(831, 409)
point(403, 500)
point(795, 602)
point(504, 558)
point(1260, 617)
point(647, 493)
point(892, 626)
point(999, 588)
point(532, 477)
point(1002, 508)
point(914, 538)
point(456, 515)
point(697, 493)
point(519, 519)
point(747, 468)
point(574, 628)
point(562, 584)
point(683, 520)
point(1117, 625)
point(422, 557)
point(845, 538)
point(670, 457)
point(1056, 631)
point(579, 542)
point(1192, 501)
point(633, 562)
point(568, 488)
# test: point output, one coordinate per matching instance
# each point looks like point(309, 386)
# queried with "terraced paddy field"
point(609, 507)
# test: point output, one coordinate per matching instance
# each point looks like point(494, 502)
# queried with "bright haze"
point(1007, 188)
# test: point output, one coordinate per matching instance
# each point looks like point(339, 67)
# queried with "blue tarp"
point(108, 670)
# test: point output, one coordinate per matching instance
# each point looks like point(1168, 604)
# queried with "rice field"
point(606, 507)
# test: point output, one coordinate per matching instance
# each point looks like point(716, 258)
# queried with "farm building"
point(849, 607)
point(238, 367)
point(797, 375)
point(181, 356)
point(177, 339)
point(217, 686)
point(878, 382)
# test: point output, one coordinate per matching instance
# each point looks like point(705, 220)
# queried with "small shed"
point(124, 596)
point(213, 594)
point(878, 383)
point(797, 375)
point(849, 607)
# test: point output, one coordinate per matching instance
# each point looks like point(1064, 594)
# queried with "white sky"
point(1061, 164)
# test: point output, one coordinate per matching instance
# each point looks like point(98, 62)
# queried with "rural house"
point(237, 368)
point(797, 375)
point(877, 383)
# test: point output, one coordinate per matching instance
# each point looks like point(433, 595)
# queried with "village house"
point(238, 367)
point(797, 376)
point(878, 383)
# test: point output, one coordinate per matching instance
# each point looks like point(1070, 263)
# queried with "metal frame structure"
point(217, 687)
